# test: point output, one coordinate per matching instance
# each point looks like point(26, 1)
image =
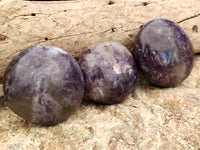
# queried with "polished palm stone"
point(43, 85)
point(164, 53)
point(109, 71)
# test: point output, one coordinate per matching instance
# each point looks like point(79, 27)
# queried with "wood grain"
point(76, 25)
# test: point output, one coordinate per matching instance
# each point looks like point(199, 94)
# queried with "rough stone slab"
point(150, 118)
point(76, 25)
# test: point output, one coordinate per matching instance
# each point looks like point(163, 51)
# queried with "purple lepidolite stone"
point(109, 71)
point(43, 85)
point(164, 53)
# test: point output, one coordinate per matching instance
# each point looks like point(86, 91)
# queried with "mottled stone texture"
point(109, 71)
point(164, 53)
point(151, 118)
point(44, 85)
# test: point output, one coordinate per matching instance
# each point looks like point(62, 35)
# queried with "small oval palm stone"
point(109, 71)
point(43, 85)
point(164, 53)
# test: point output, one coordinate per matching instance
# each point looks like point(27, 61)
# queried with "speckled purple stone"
point(43, 85)
point(164, 53)
point(109, 71)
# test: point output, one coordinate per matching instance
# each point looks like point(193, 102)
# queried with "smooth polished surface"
point(164, 53)
point(109, 71)
point(43, 85)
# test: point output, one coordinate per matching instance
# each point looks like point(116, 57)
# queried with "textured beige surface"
point(150, 118)
point(76, 25)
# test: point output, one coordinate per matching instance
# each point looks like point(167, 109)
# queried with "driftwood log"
point(150, 118)
point(76, 25)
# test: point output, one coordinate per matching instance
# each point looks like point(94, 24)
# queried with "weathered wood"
point(76, 25)
point(150, 118)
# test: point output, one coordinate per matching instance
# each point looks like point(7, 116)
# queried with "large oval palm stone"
point(43, 85)
point(164, 53)
point(109, 71)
